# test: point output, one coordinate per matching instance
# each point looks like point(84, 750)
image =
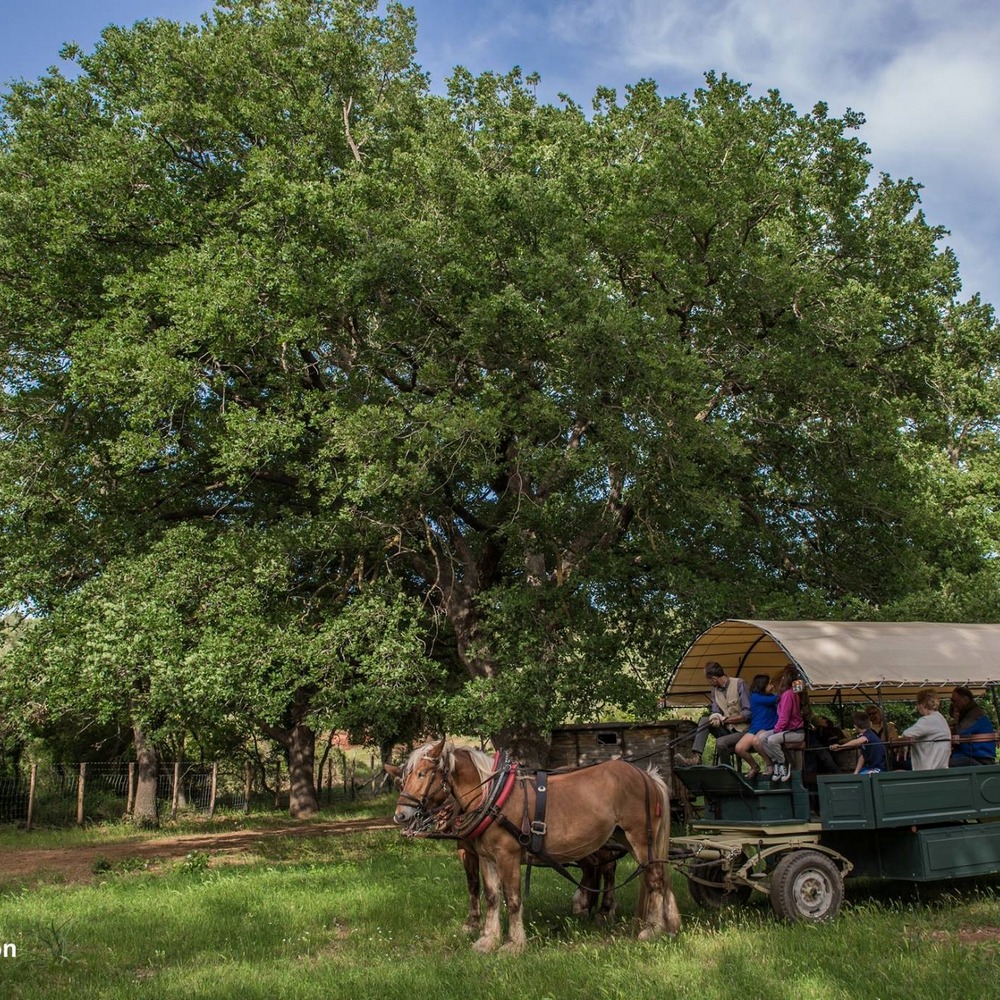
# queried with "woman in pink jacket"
point(793, 705)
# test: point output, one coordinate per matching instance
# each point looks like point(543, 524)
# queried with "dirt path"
point(76, 864)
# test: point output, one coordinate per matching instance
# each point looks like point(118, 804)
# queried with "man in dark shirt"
point(974, 739)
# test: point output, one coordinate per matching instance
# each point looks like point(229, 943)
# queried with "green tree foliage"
point(542, 390)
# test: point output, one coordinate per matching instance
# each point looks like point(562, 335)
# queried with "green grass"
point(375, 916)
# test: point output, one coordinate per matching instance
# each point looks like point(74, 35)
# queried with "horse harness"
point(531, 833)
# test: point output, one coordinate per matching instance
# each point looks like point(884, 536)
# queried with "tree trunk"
point(298, 738)
point(302, 802)
point(147, 772)
point(525, 743)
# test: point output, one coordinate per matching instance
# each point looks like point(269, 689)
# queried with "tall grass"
point(375, 916)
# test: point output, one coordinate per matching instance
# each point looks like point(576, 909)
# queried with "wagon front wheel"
point(715, 897)
point(806, 885)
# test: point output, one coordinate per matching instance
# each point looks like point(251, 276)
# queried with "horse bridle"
point(444, 794)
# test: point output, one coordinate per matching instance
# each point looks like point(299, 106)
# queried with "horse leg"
point(490, 937)
point(585, 897)
point(671, 914)
point(657, 906)
point(597, 884)
point(609, 872)
point(651, 904)
point(510, 875)
point(470, 862)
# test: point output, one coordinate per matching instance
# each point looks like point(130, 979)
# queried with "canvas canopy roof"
point(888, 661)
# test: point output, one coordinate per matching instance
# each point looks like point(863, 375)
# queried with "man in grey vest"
point(727, 720)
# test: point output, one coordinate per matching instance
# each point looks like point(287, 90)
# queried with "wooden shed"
point(644, 742)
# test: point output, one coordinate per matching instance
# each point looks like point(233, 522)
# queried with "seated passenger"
point(888, 733)
point(929, 738)
point(763, 716)
point(821, 734)
point(885, 728)
point(872, 759)
point(793, 702)
point(975, 740)
point(730, 714)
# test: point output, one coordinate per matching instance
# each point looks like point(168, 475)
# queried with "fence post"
point(175, 796)
point(130, 797)
point(247, 786)
point(79, 795)
point(31, 794)
point(277, 784)
point(215, 780)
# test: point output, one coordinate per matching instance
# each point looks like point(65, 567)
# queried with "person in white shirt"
point(930, 736)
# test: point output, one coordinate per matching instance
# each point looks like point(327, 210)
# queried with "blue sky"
point(924, 72)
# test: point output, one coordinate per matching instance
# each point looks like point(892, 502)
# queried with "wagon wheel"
point(806, 885)
point(714, 897)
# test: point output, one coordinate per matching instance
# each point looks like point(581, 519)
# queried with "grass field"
point(373, 915)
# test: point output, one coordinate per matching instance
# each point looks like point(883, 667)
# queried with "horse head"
point(425, 787)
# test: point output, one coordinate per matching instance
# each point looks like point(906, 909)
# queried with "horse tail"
point(668, 916)
point(661, 810)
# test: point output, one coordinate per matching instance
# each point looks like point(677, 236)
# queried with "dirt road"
point(76, 864)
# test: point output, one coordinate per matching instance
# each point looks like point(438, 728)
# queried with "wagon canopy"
point(889, 661)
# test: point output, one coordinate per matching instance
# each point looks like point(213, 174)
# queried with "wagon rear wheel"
point(806, 885)
point(714, 897)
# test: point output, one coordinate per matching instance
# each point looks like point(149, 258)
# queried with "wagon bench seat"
point(732, 799)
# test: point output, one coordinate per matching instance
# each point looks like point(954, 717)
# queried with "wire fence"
point(54, 795)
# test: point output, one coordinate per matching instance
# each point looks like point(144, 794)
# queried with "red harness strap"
point(506, 788)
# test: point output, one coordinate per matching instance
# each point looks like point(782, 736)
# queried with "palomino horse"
point(597, 870)
point(584, 808)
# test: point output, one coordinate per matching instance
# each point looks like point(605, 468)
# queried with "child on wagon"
point(872, 758)
point(763, 716)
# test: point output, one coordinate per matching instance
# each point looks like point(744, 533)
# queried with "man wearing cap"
point(727, 720)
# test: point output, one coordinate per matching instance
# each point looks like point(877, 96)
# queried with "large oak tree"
point(575, 382)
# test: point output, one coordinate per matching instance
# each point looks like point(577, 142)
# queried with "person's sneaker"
point(786, 773)
point(692, 761)
point(779, 772)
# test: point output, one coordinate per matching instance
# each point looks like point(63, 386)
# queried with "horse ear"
point(393, 771)
point(438, 749)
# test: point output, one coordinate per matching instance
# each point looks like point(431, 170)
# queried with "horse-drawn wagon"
point(797, 843)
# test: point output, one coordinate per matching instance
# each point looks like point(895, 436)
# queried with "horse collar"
point(494, 796)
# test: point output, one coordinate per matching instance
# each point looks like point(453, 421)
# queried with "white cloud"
point(924, 73)
point(943, 97)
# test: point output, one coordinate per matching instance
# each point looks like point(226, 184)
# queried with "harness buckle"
point(539, 828)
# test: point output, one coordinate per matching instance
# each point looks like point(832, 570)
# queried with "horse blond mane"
point(482, 762)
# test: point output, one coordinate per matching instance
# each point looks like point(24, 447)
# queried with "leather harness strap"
point(538, 827)
point(531, 838)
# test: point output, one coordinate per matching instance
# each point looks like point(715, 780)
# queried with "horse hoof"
point(514, 947)
point(484, 945)
point(470, 927)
